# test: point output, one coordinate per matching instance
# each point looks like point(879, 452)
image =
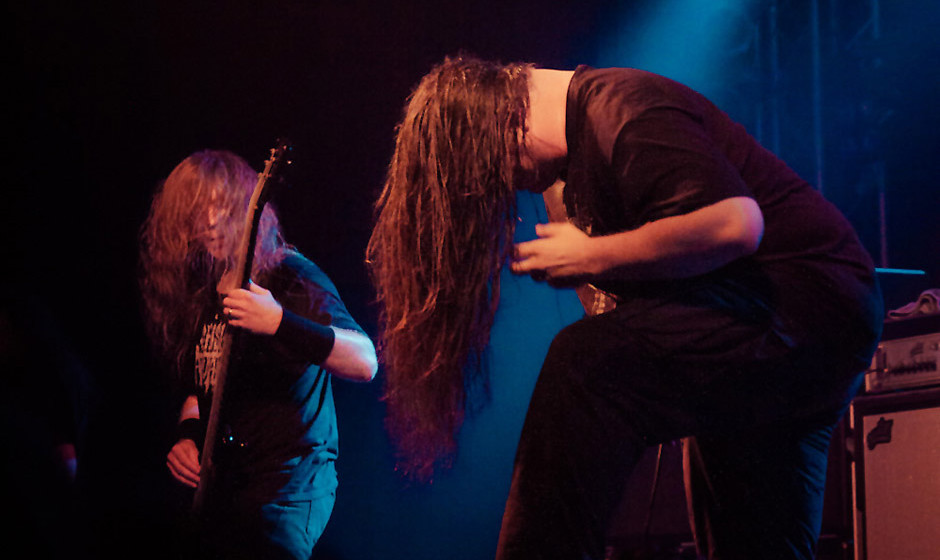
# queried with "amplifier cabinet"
point(908, 356)
point(896, 475)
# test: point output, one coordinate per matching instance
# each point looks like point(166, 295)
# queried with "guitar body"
point(238, 277)
point(594, 300)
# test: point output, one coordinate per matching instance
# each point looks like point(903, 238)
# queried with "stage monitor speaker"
point(897, 475)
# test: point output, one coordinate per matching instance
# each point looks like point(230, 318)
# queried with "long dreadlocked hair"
point(444, 228)
point(178, 273)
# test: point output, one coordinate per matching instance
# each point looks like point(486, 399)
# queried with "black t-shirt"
point(643, 147)
point(278, 402)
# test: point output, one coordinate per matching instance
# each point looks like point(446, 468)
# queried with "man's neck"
point(548, 99)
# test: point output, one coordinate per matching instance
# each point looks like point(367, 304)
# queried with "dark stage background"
point(108, 96)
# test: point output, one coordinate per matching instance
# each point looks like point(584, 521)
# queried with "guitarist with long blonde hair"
point(274, 476)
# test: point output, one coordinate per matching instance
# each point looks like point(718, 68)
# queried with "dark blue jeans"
point(275, 530)
point(759, 393)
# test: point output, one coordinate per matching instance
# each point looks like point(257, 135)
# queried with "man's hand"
point(561, 255)
point(183, 462)
point(254, 309)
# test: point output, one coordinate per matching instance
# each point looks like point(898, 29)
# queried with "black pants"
point(759, 393)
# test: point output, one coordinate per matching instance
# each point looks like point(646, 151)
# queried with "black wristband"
point(191, 428)
point(313, 340)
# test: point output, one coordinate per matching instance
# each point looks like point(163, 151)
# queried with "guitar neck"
point(238, 277)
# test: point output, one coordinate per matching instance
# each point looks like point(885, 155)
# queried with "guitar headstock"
point(280, 157)
point(280, 153)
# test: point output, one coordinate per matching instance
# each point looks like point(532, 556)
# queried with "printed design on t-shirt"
point(209, 353)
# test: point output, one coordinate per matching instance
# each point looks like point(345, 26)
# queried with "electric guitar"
point(238, 277)
point(594, 300)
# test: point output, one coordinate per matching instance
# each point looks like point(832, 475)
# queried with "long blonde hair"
point(178, 274)
point(444, 228)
